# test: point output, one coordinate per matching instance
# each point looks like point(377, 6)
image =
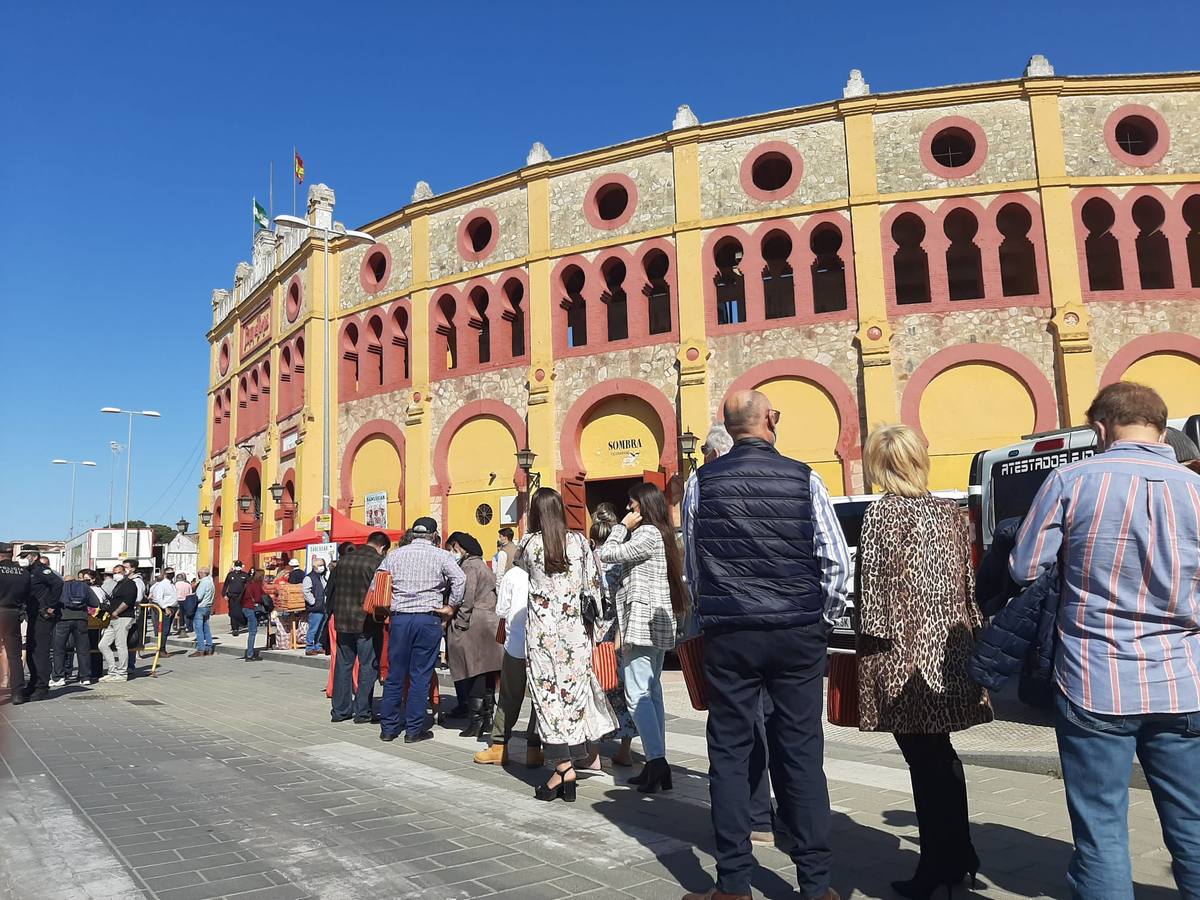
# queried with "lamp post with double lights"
point(74, 467)
point(355, 237)
point(150, 414)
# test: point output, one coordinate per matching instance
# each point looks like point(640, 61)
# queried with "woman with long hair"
point(606, 629)
point(651, 599)
point(253, 600)
point(915, 598)
point(571, 708)
point(471, 648)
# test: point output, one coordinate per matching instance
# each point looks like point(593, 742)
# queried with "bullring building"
point(972, 260)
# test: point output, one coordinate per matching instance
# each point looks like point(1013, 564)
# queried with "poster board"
point(375, 510)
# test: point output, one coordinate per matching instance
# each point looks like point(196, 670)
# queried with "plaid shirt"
point(644, 592)
point(1127, 525)
point(348, 585)
point(421, 575)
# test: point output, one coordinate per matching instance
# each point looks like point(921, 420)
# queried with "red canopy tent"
point(344, 529)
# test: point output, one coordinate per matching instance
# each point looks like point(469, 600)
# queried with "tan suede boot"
point(495, 755)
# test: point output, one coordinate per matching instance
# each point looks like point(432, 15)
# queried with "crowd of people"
point(1098, 590)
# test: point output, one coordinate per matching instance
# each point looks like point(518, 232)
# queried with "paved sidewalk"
point(222, 779)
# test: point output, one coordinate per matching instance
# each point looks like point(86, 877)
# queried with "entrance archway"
point(249, 520)
point(475, 462)
point(373, 463)
point(1168, 362)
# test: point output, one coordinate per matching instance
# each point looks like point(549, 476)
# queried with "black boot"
point(475, 723)
point(489, 712)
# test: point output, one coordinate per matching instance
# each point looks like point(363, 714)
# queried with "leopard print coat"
point(918, 619)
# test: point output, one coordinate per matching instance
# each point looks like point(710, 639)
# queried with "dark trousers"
point(10, 647)
point(940, 798)
point(237, 615)
point(39, 636)
point(63, 630)
point(513, 681)
point(789, 665)
point(363, 647)
point(412, 654)
point(761, 816)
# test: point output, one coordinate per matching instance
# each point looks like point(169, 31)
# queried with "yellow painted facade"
point(1026, 359)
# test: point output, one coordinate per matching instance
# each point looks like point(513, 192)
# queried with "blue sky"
point(135, 134)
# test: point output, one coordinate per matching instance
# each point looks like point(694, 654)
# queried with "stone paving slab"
point(237, 785)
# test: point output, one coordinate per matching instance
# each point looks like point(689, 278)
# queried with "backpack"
point(235, 584)
point(75, 596)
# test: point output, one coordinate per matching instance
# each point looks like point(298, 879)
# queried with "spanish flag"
point(299, 168)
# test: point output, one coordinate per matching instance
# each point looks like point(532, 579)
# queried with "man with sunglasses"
point(768, 566)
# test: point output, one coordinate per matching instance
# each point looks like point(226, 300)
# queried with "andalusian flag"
point(260, 215)
point(299, 168)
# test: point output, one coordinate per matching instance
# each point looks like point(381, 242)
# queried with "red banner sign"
point(255, 331)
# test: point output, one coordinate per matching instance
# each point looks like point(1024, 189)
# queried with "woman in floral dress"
point(571, 708)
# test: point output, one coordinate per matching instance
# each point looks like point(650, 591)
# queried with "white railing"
point(289, 241)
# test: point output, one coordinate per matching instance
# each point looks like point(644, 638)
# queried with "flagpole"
point(293, 179)
point(271, 192)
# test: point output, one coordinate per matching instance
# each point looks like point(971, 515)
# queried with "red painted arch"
point(577, 416)
point(1148, 345)
point(491, 408)
point(1045, 401)
point(383, 428)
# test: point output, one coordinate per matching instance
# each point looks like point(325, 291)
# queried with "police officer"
point(42, 614)
point(14, 600)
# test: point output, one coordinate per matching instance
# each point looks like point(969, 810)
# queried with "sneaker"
point(113, 676)
point(58, 682)
point(88, 682)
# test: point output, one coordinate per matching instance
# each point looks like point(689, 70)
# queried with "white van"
point(850, 511)
point(1005, 480)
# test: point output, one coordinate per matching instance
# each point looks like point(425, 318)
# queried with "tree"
point(163, 534)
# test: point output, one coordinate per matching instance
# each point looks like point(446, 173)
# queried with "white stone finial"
point(537, 154)
point(422, 191)
point(684, 118)
point(1038, 67)
point(855, 85)
point(219, 296)
point(320, 205)
point(241, 272)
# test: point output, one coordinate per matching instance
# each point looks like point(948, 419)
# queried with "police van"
point(1005, 480)
point(850, 511)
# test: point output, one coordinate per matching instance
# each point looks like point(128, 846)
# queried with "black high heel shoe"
point(564, 789)
point(657, 774)
point(926, 882)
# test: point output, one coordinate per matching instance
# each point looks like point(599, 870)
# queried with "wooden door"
point(658, 479)
point(575, 501)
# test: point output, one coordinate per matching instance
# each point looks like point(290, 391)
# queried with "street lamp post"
point(355, 236)
point(74, 467)
point(112, 475)
point(149, 413)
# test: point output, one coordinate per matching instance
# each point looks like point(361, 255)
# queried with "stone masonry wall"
point(1087, 153)
point(449, 395)
point(399, 244)
point(654, 177)
point(822, 148)
point(1009, 154)
point(511, 209)
point(353, 414)
point(1115, 323)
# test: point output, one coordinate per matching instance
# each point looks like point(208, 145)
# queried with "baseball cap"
point(424, 525)
point(294, 562)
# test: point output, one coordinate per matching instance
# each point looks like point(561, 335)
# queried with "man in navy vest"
point(769, 566)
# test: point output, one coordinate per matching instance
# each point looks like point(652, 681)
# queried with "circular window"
point(293, 299)
point(771, 171)
point(1136, 135)
point(223, 357)
point(477, 234)
point(376, 268)
point(483, 514)
point(953, 147)
point(610, 201)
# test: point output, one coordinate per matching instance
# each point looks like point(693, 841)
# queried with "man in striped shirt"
point(1125, 526)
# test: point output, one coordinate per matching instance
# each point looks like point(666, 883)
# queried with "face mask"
point(118, 577)
point(26, 562)
point(320, 570)
point(458, 557)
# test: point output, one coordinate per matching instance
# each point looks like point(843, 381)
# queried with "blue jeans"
point(1097, 756)
point(363, 648)
point(644, 697)
point(251, 631)
point(314, 630)
point(200, 622)
point(412, 654)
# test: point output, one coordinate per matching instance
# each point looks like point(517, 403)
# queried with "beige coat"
point(471, 637)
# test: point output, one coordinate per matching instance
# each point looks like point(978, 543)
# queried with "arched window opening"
point(1153, 248)
point(254, 388)
point(964, 261)
point(657, 291)
point(1101, 249)
point(373, 375)
point(514, 314)
point(575, 306)
point(350, 372)
point(285, 379)
point(1018, 263)
point(400, 343)
point(481, 323)
point(217, 412)
point(266, 382)
point(227, 405)
point(828, 270)
point(910, 263)
point(616, 302)
point(448, 330)
point(243, 393)
point(298, 373)
point(1191, 216)
point(730, 282)
point(779, 289)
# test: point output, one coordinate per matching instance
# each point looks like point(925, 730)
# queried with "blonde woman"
point(918, 619)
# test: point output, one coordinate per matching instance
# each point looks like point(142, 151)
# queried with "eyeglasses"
point(774, 415)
